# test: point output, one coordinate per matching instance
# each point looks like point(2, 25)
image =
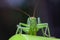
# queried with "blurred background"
point(10, 15)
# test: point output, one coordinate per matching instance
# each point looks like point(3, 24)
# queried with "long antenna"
point(35, 8)
point(23, 12)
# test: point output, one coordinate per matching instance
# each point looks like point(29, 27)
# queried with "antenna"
point(35, 8)
point(23, 12)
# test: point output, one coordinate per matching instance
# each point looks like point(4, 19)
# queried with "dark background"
point(48, 10)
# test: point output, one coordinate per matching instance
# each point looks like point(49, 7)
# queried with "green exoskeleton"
point(33, 25)
point(31, 28)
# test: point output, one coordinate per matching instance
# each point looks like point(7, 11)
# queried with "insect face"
point(32, 19)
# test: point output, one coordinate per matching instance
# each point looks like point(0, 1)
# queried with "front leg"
point(44, 25)
point(22, 24)
point(20, 28)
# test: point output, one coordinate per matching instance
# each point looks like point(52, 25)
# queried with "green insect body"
point(33, 25)
point(31, 29)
